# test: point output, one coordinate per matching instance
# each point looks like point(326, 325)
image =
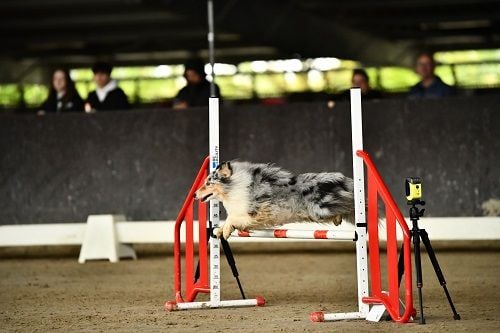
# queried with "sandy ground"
point(46, 290)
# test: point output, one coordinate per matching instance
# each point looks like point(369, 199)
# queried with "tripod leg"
point(400, 273)
point(401, 265)
point(232, 264)
point(197, 272)
point(437, 269)
point(418, 267)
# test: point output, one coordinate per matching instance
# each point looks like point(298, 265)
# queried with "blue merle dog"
point(264, 195)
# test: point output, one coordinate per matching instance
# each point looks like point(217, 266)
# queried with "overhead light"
point(258, 66)
point(162, 71)
point(221, 69)
point(288, 65)
point(314, 76)
point(325, 64)
point(290, 78)
point(180, 81)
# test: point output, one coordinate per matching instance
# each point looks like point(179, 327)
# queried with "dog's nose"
point(195, 196)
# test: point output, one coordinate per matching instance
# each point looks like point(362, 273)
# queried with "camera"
point(413, 188)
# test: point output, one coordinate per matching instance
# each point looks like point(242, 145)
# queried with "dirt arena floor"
point(45, 290)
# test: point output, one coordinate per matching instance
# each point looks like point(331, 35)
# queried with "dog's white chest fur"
point(237, 199)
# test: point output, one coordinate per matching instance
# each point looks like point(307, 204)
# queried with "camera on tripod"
point(413, 189)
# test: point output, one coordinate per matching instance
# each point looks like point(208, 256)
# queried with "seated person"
point(107, 96)
point(197, 90)
point(430, 85)
point(63, 96)
point(361, 80)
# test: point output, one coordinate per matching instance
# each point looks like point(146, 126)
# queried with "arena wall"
point(62, 168)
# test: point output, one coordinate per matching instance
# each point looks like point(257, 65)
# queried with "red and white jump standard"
point(372, 302)
point(198, 282)
point(380, 301)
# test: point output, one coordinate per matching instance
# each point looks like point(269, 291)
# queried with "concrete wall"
point(61, 168)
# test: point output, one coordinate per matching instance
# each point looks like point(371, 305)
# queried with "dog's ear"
point(225, 170)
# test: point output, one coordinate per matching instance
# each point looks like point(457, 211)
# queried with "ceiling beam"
point(305, 35)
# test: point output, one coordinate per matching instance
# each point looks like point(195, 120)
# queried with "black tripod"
point(416, 235)
point(230, 260)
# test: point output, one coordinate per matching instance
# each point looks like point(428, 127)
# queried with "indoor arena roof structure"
point(146, 32)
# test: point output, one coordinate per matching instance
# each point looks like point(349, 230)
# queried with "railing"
point(390, 299)
point(195, 282)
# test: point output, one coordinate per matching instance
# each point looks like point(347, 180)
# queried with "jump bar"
point(173, 306)
point(341, 235)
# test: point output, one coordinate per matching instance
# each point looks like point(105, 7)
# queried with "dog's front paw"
point(217, 232)
point(227, 230)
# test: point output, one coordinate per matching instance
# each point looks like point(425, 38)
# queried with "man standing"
point(430, 85)
point(197, 90)
point(107, 96)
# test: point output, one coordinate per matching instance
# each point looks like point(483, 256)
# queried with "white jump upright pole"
point(360, 217)
point(214, 153)
point(214, 213)
point(359, 200)
point(213, 110)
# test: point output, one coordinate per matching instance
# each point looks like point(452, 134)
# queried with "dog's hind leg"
point(337, 219)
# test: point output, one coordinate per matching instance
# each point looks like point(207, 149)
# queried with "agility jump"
point(372, 302)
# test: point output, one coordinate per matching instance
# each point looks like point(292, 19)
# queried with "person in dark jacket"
point(107, 96)
point(197, 90)
point(63, 96)
point(431, 85)
point(361, 80)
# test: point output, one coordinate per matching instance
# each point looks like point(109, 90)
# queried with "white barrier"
point(161, 232)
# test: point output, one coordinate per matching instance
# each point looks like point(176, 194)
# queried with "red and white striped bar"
point(340, 235)
point(320, 316)
point(257, 301)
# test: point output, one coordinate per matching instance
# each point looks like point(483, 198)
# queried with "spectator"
point(430, 85)
point(63, 96)
point(361, 80)
point(197, 90)
point(107, 96)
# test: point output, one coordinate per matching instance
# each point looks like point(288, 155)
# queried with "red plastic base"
point(170, 306)
point(317, 317)
point(261, 301)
